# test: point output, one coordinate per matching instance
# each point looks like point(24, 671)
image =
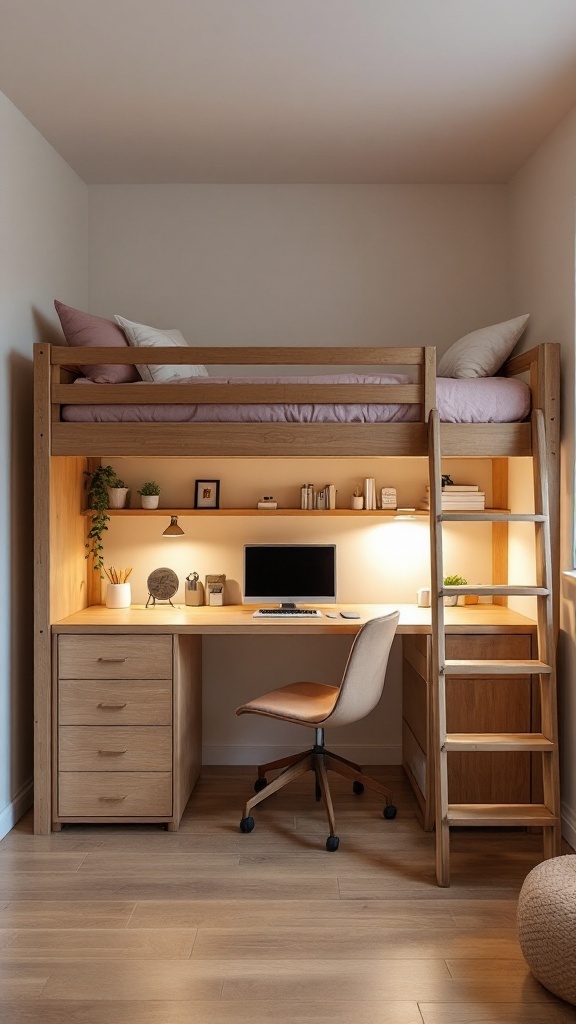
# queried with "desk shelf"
point(358, 514)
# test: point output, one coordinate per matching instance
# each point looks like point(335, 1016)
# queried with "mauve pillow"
point(88, 331)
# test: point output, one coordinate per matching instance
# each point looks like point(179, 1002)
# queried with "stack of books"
point(459, 498)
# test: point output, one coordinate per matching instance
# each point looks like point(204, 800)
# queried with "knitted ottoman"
point(547, 925)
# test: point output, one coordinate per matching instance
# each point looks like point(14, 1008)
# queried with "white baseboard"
point(569, 825)
point(21, 803)
point(240, 754)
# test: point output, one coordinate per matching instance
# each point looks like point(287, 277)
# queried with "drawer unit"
point(115, 794)
point(117, 656)
point(95, 748)
point(127, 726)
point(110, 702)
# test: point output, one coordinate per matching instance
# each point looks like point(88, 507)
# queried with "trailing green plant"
point(149, 488)
point(99, 480)
point(455, 581)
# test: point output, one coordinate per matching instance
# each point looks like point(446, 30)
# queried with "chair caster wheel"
point(358, 788)
point(260, 784)
point(247, 824)
point(332, 843)
point(390, 811)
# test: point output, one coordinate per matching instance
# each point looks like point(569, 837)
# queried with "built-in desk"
point(127, 690)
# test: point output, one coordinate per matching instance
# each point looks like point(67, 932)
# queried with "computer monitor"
point(288, 573)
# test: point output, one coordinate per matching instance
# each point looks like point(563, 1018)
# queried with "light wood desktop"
point(127, 712)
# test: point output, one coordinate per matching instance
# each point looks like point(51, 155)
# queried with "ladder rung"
point(490, 517)
point(498, 741)
point(502, 667)
point(500, 814)
point(500, 589)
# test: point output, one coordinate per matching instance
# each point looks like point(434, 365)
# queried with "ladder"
point(545, 743)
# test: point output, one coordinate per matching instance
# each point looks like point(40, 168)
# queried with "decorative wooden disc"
point(162, 584)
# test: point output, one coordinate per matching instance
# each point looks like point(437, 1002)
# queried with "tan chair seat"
point(301, 703)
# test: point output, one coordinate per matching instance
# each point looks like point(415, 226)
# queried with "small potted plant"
point(100, 482)
point(150, 494)
point(117, 494)
point(453, 581)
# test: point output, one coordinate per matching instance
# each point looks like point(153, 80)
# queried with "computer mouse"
point(350, 615)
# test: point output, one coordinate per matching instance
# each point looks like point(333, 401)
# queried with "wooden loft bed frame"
point(54, 388)
point(65, 583)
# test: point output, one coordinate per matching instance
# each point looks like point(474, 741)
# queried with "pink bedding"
point(477, 400)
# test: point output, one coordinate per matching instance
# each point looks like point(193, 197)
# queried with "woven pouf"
point(547, 925)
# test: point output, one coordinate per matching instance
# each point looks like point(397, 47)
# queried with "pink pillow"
point(88, 331)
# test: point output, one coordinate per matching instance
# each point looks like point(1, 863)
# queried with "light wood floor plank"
point(66, 914)
point(21, 886)
point(98, 944)
point(552, 1012)
point(355, 943)
point(478, 969)
point(220, 1011)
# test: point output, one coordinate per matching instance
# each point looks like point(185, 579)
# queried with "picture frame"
point(207, 494)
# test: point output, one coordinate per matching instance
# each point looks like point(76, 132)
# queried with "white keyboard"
point(287, 613)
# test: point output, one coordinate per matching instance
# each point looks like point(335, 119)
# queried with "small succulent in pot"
point(453, 581)
point(150, 494)
point(149, 488)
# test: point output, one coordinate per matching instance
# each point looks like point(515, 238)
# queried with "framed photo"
point(207, 494)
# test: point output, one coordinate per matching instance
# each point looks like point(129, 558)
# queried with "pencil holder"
point(118, 595)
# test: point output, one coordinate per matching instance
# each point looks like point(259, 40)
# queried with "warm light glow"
point(173, 530)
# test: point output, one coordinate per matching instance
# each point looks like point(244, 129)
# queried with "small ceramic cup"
point(357, 502)
point(118, 595)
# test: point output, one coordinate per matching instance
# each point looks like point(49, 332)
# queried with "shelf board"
point(411, 513)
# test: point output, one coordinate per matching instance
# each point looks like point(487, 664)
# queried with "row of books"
point(456, 497)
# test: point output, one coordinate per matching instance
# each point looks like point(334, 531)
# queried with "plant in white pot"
point(150, 494)
point(117, 494)
point(453, 581)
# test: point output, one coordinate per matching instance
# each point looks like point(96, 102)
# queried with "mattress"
point(477, 400)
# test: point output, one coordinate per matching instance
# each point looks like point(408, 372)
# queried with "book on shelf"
point(467, 502)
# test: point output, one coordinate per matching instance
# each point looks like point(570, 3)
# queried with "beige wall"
point(305, 264)
point(542, 201)
point(43, 254)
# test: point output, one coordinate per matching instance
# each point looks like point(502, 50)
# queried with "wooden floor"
point(134, 925)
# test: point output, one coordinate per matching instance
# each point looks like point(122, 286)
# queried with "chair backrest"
point(363, 680)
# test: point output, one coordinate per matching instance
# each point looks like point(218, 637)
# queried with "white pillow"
point(482, 353)
point(142, 336)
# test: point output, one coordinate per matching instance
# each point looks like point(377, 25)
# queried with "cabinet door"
point(488, 704)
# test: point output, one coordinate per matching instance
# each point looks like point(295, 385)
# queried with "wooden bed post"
point(42, 653)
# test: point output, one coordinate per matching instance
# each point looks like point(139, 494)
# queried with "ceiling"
point(270, 91)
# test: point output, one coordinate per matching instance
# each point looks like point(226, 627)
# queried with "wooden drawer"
point(105, 656)
point(138, 748)
point(105, 702)
point(114, 794)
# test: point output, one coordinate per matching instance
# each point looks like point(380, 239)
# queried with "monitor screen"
point(290, 572)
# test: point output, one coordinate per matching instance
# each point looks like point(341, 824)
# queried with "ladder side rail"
point(438, 659)
point(546, 645)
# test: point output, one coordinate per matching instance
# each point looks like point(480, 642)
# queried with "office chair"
point(318, 705)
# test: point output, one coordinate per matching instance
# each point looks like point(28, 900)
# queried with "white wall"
point(265, 265)
point(43, 255)
point(542, 198)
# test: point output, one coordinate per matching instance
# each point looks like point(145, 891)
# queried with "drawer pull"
point(112, 707)
point(111, 799)
point(114, 660)
point(112, 753)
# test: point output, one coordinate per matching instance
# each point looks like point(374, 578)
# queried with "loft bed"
point(56, 391)
point(65, 449)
